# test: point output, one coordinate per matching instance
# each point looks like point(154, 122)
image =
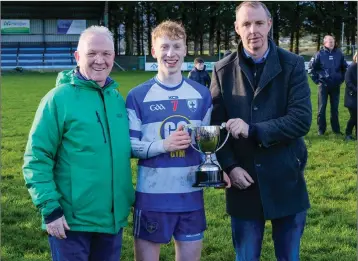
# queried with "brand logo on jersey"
point(171, 124)
point(157, 107)
point(151, 226)
point(173, 97)
point(192, 105)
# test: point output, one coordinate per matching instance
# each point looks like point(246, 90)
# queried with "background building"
point(44, 35)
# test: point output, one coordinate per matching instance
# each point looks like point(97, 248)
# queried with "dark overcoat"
point(280, 109)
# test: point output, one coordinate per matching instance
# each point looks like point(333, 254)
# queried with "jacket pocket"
point(91, 196)
point(282, 164)
point(102, 127)
point(82, 190)
point(296, 163)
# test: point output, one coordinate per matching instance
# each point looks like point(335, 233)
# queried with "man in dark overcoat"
point(261, 91)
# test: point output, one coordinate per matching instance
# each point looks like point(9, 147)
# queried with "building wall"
point(37, 27)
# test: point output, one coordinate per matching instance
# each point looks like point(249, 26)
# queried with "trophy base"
point(210, 185)
point(213, 179)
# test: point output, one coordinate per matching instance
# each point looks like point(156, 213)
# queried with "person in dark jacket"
point(350, 98)
point(261, 91)
point(199, 73)
point(327, 69)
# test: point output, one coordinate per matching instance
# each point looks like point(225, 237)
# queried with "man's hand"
point(227, 180)
point(237, 127)
point(178, 140)
point(240, 178)
point(57, 228)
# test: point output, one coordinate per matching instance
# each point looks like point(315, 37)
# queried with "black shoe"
point(348, 138)
point(320, 133)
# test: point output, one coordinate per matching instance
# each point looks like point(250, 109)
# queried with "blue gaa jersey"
point(165, 179)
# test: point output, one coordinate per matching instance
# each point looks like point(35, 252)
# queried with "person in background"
point(77, 161)
point(199, 73)
point(326, 69)
point(350, 98)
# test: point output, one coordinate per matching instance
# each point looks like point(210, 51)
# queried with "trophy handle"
point(195, 148)
point(223, 125)
point(187, 128)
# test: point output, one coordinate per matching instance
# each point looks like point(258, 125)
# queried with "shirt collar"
point(260, 60)
point(169, 86)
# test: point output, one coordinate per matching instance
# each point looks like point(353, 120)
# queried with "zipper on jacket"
point(100, 122)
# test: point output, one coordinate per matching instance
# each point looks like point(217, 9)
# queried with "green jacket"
point(78, 155)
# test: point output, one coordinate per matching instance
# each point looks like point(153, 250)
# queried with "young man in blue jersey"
point(166, 203)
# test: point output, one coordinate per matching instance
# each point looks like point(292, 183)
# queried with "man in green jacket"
point(77, 159)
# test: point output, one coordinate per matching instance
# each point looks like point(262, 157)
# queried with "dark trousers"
point(247, 236)
point(323, 93)
point(86, 246)
point(352, 122)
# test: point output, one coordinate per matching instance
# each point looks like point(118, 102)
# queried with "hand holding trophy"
point(207, 138)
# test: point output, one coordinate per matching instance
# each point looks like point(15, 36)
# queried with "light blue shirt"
point(260, 60)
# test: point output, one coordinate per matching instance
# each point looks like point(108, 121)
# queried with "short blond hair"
point(174, 30)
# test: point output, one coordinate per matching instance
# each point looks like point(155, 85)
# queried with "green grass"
point(330, 234)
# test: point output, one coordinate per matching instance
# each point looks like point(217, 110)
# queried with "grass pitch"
point(330, 234)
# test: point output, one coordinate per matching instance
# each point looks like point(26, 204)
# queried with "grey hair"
point(95, 29)
point(254, 4)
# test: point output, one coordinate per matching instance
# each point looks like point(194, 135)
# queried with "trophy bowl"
point(207, 138)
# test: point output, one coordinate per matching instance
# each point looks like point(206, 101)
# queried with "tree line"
point(210, 25)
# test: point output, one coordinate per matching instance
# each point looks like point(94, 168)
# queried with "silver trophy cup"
point(207, 138)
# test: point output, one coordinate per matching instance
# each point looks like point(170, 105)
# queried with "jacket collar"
point(69, 76)
point(195, 69)
point(324, 48)
point(77, 79)
point(80, 76)
point(260, 60)
point(271, 69)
